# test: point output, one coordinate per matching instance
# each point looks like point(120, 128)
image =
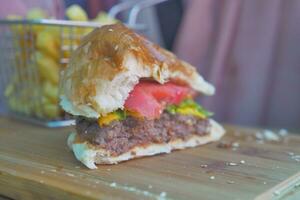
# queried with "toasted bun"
point(90, 155)
point(109, 63)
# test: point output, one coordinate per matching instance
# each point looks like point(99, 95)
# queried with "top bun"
point(108, 64)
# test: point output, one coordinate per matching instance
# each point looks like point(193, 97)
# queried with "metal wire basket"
point(32, 54)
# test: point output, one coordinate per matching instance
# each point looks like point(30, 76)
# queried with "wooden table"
point(35, 163)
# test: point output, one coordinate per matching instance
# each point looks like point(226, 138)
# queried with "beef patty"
point(120, 136)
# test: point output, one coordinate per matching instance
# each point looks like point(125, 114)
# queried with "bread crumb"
point(231, 164)
point(296, 158)
point(69, 174)
point(283, 132)
point(212, 178)
point(235, 144)
point(228, 145)
point(242, 162)
point(276, 193)
point(146, 193)
point(270, 135)
point(259, 136)
point(113, 184)
point(163, 194)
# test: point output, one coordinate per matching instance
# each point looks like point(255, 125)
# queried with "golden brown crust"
point(102, 59)
point(110, 55)
point(122, 39)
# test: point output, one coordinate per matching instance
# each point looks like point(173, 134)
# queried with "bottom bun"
point(90, 154)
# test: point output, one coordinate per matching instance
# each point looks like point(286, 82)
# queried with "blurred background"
point(250, 50)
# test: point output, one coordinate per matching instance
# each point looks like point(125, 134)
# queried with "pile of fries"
point(41, 52)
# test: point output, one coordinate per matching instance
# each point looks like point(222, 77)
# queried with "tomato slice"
point(148, 99)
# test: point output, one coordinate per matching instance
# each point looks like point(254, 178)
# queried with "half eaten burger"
point(131, 98)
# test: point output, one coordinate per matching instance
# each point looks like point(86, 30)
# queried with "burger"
point(132, 98)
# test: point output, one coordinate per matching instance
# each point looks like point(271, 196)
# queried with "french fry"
point(47, 67)
point(48, 43)
point(50, 91)
point(12, 104)
point(9, 90)
point(104, 19)
point(35, 14)
point(51, 110)
point(54, 30)
point(81, 32)
point(41, 99)
point(17, 28)
point(76, 13)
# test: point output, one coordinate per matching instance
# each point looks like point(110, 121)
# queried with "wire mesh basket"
point(32, 54)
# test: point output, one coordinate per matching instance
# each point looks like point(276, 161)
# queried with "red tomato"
point(148, 99)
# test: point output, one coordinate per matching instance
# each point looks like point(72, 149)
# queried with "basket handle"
point(134, 12)
point(121, 7)
point(135, 7)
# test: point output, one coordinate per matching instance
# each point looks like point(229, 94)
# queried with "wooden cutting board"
point(35, 163)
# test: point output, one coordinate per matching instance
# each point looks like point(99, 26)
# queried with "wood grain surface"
point(35, 163)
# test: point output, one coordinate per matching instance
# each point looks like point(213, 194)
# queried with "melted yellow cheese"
point(190, 111)
point(105, 120)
